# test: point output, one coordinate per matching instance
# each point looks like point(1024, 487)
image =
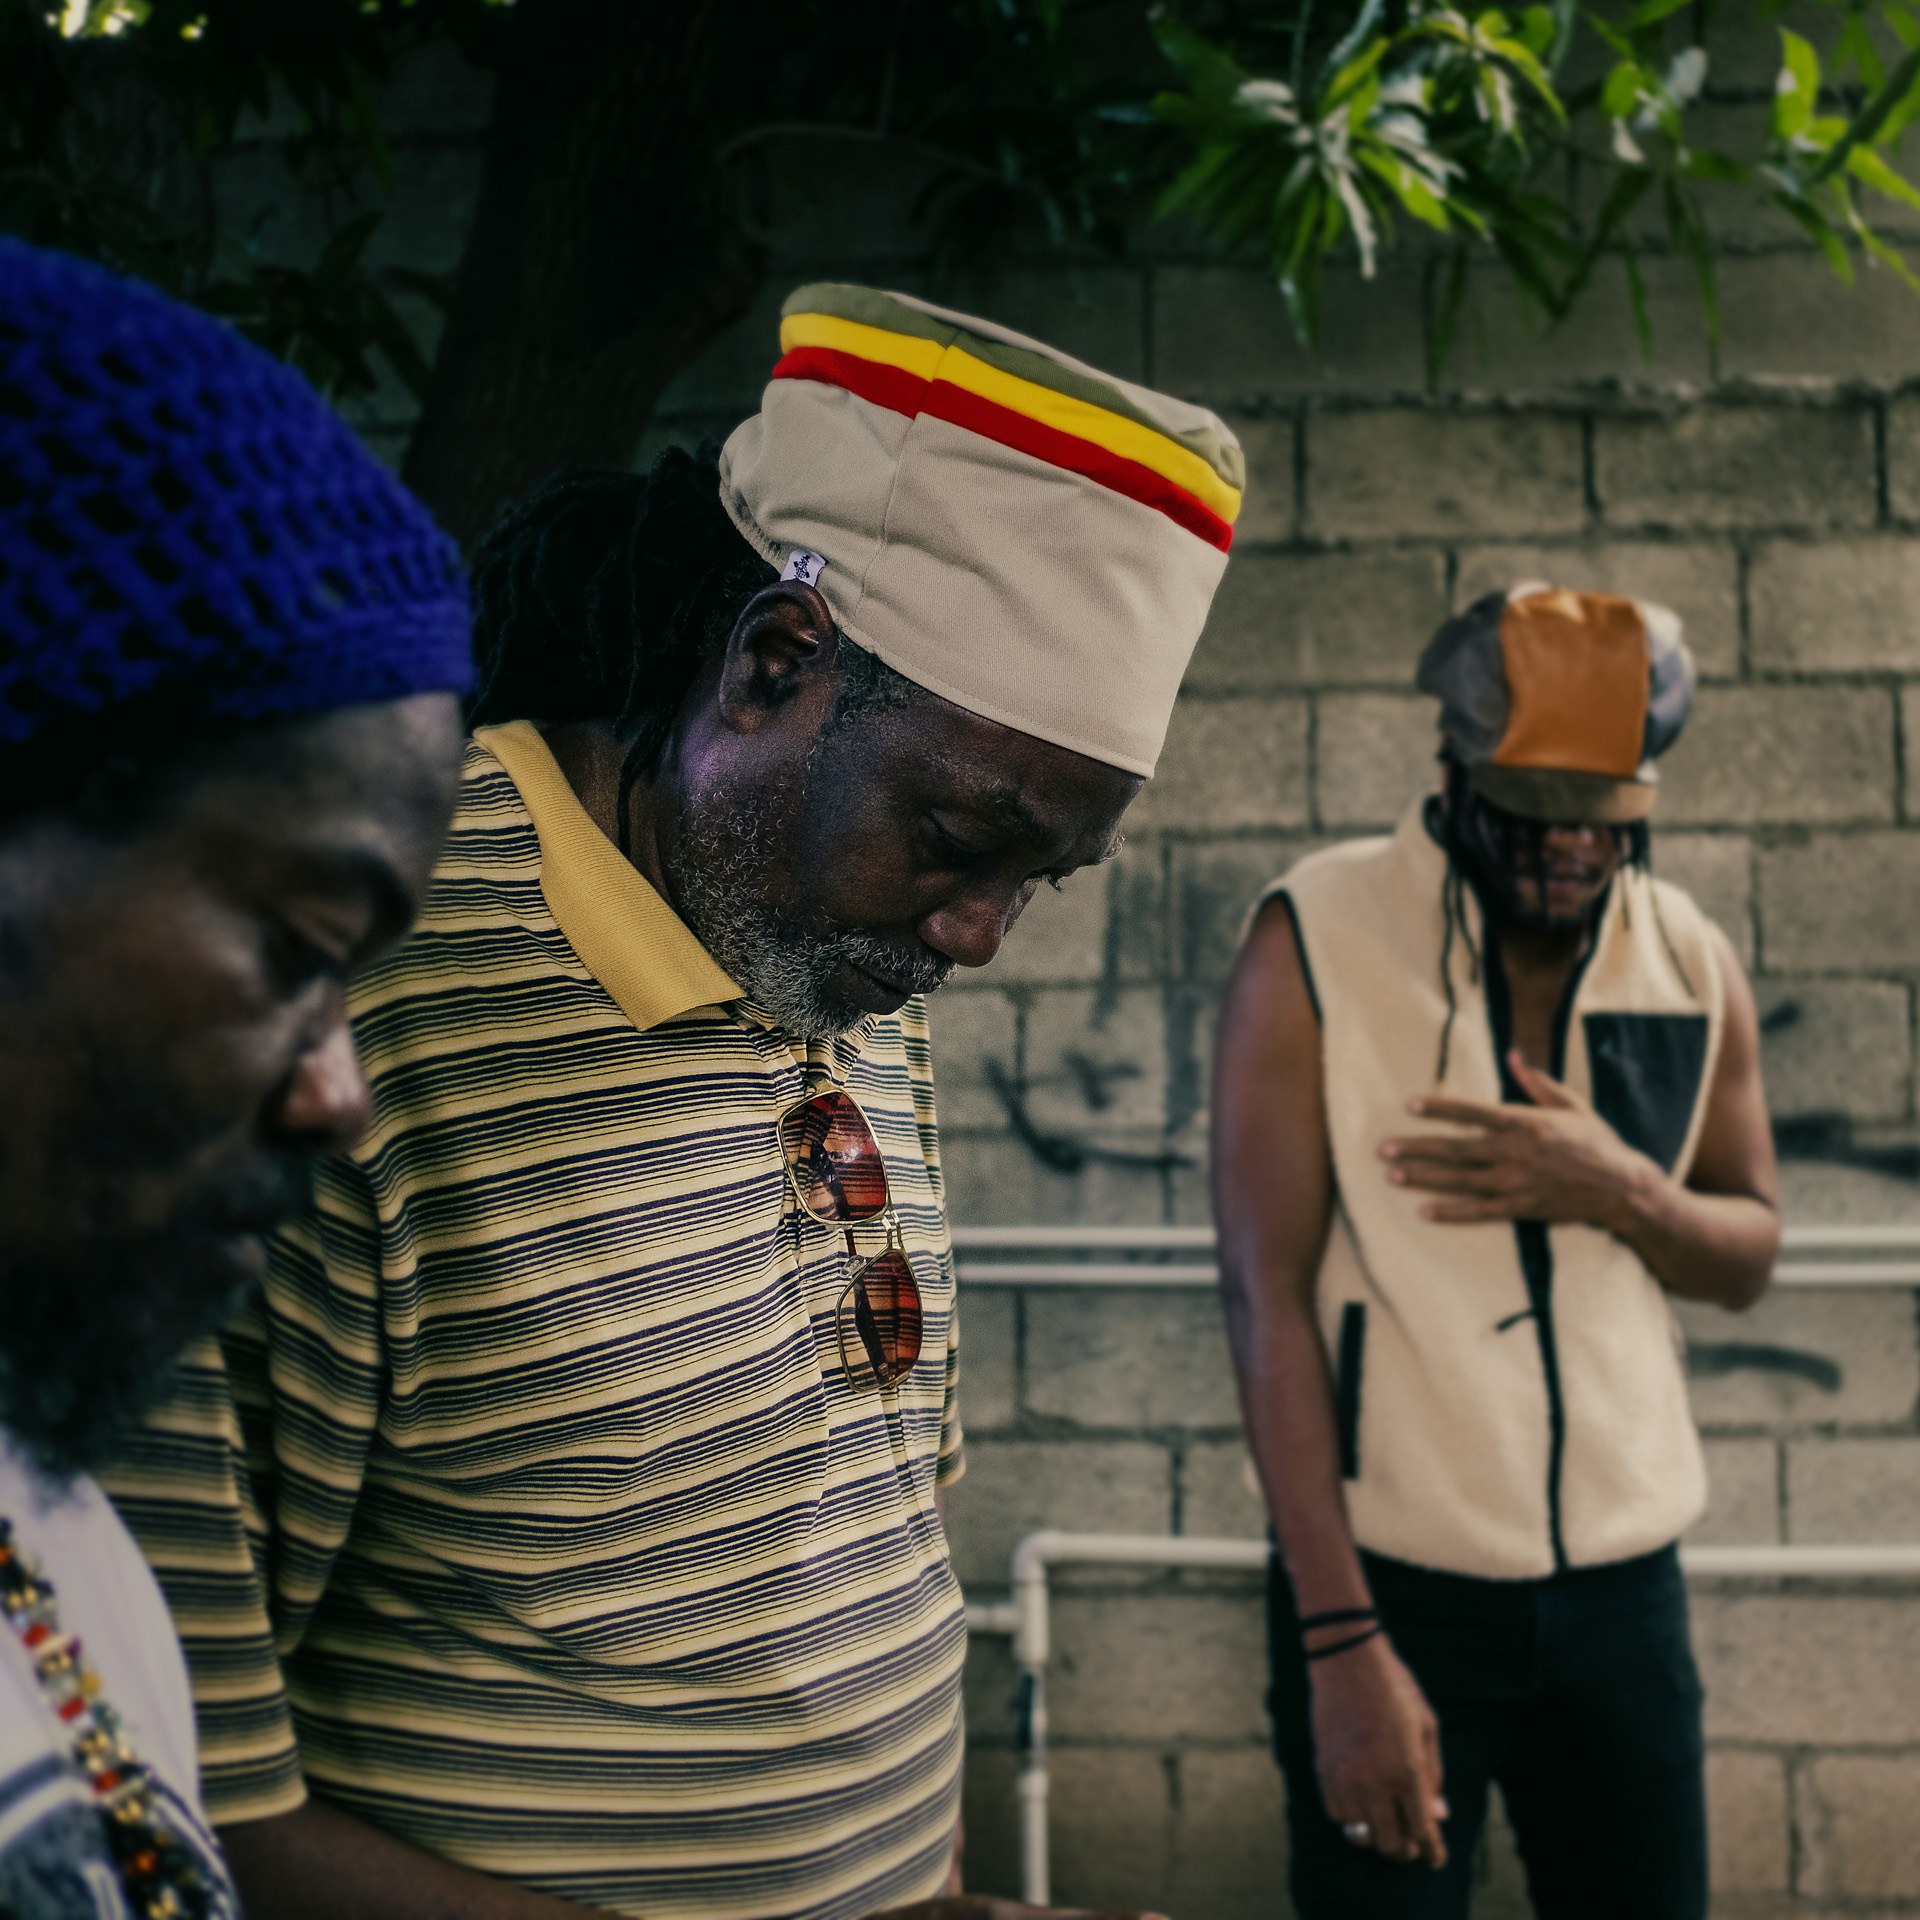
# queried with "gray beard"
point(786, 966)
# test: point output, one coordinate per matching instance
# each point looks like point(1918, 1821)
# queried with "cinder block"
point(1803, 1359)
point(1745, 53)
point(1841, 903)
point(1300, 620)
point(1698, 581)
point(1195, 1667)
point(1499, 1878)
point(1271, 506)
point(1397, 472)
point(1903, 456)
point(1840, 606)
point(1374, 755)
point(1238, 763)
point(1102, 923)
point(1112, 1829)
point(974, 1031)
point(994, 1179)
point(1809, 1670)
point(1717, 870)
point(1230, 1837)
point(1095, 313)
point(1219, 1492)
point(1213, 888)
point(1130, 1360)
point(990, 1808)
point(1854, 1490)
point(1743, 1493)
point(1910, 740)
point(1749, 1830)
point(1813, 756)
point(1016, 1487)
point(1836, 1046)
point(1857, 1825)
point(1095, 1062)
point(1737, 466)
point(1503, 349)
point(1788, 316)
point(989, 1397)
point(1221, 335)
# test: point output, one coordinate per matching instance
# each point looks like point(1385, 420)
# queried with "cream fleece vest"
point(1511, 1398)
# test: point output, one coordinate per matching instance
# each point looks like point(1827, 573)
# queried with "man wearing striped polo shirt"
point(566, 1517)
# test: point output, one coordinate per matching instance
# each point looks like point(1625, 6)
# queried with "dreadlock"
point(1484, 845)
point(599, 595)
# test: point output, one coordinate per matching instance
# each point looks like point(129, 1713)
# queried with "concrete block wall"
point(1772, 498)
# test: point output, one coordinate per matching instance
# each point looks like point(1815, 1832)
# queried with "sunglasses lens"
point(836, 1165)
point(884, 1307)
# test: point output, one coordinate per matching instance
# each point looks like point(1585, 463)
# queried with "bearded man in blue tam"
point(231, 649)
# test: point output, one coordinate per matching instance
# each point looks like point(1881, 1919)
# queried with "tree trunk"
point(604, 255)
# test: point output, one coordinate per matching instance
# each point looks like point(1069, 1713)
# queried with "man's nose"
point(327, 1094)
point(970, 928)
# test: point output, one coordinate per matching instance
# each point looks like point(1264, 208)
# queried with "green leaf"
point(1867, 167)
point(1869, 125)
point(1854, 45)
point(1703, 163)
point(1887, 256)
point(1815, 224)
point(1650, 12)
point(1621, 93)
point(1637, 300)
point(1617, 41)
point(1407, 187)
point(1797, 88)
point(1443, 303)
point(1689, 236)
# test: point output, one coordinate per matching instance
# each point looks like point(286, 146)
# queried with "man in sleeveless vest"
point(1488, 1096)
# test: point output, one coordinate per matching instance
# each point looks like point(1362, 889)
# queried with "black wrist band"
point(1338, 1617)
point(1312, 1654)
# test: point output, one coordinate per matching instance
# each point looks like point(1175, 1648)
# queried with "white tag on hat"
point(804, 566)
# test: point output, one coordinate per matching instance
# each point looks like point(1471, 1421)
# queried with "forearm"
point(1286, 1394)
point(318, 1863)
point(1717, 1247)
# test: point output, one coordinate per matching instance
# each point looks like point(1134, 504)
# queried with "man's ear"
point(780, 651)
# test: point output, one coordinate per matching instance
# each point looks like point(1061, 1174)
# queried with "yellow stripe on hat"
point(929, 360)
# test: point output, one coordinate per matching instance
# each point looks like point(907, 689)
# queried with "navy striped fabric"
point(533, 1504)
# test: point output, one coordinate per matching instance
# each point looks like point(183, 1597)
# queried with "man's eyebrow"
point(1004, 807)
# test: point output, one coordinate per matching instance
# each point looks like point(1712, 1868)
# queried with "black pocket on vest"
point(1646, 1071)
point(1346, 1386)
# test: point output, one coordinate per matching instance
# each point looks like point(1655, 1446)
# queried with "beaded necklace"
point(160, 1874)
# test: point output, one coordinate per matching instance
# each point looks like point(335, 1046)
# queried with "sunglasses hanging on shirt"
point(835, 1168)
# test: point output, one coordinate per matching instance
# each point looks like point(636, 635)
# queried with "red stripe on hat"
point(906, 393)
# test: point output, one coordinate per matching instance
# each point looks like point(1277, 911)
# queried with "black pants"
point(1578, 1694)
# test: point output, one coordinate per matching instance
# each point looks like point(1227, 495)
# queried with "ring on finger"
point(1357, 1833)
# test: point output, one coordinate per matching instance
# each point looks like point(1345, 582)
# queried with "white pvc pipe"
point(1885, 1239)
point(1021, 1273)
point(1028, 1618)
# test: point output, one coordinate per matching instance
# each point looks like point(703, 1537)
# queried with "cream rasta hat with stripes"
point(1032, 539)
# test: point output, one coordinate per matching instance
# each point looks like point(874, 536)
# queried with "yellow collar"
point(629, 939)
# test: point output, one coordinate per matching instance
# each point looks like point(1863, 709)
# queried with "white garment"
point(54, 1863)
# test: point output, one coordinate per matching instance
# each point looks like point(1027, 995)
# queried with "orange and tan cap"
point(1025, 535)
point(1558, 703)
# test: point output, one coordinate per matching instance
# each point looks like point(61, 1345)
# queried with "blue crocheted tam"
point(187, 528)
